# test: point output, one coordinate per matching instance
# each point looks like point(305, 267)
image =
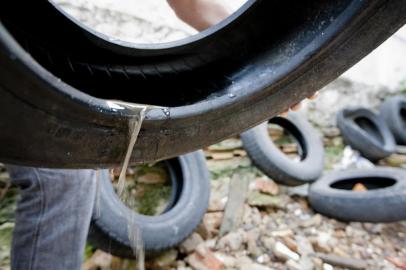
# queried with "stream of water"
point(134, 128)
point(134, 232)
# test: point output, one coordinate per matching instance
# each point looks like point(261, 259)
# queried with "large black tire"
point(385, 200)
point(274, 163)
point(366, 132)
point(264, 58)
point(393, 111)
point(109, 229)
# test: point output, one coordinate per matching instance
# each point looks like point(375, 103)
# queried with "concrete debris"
point(283, 252)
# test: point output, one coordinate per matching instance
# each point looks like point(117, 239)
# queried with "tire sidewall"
point(277, 165)
point(158, 232)
point(359, 139)
point(390, 111)
point(380, 205)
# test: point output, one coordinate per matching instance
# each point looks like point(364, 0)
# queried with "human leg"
point(52, 217)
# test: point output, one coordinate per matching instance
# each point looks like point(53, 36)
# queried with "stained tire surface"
point(386, 204)
point(277, 165)
point(393, 111)
point(109, 229)
point(366, 132)
point(57, 76)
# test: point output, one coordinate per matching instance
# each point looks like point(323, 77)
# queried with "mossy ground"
point(148, 188)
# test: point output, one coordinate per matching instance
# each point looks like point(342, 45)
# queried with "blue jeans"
point(52, 218)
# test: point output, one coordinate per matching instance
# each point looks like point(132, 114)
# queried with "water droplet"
point(232, 95)
point(166, 111)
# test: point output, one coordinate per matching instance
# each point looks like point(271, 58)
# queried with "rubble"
point(211, 222)
point(396, 160)
point(345, 262)
point(283, 252)
point(99, 260)
point(399, 263)
point(191, 243)
point(253, 266)
point(163, 260)
point(232, 241)
point(312, 222)
point(204, 259)
point(259, 199)
point(234, 210)
point(265, 185)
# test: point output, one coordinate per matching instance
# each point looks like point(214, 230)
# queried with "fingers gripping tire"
point(393, 111)
point(109, 230)
point(366, 132)
point(385, 200)
point(274, 163)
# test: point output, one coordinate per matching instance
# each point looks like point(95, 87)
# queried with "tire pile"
point(374, 135)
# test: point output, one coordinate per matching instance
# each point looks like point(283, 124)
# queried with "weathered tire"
point(366, 132)
point(109, 229)
point(56, 74)
point(274, 163)
point(393, 111)
point(384, 204)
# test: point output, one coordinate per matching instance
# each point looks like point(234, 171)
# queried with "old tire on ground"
point(385, 200)
point(109, 229)
point(366, 132)
point(56, 74)
point(393, 111)
point(274, 163)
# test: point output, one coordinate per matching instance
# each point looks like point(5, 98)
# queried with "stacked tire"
point(383, 194)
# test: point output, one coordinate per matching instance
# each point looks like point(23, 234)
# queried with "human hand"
point(298, 105)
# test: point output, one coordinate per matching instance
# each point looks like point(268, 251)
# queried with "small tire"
point(366, 132)
point(385, 204)
point(393, 111)
point(274, 163)
point(109, 230)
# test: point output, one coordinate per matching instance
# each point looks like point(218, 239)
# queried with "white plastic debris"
point(352, 159)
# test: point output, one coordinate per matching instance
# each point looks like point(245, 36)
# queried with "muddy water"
point(134, 232)
point(134, 128)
